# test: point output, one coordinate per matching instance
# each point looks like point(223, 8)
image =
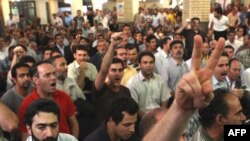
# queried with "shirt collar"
point(142, 78)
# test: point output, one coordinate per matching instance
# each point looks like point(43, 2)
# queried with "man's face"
point(177, 38)
point(235, 115)
point(231, 37)
point(240, 32)
point(205, 48)
point(138, 37)
point(47, 55)
point(45, 127)
point(221, 68)
point(196, 24)
point(230, 52)
point(125, 128)
point(81, 56)
point(59, 40)
point(46, 81)
point(147, 65)
point(61, 67)
point(101, 47)
point(115, 73)
point(177, 51)
point(234, 70)
point(122, 54)
point(152, 45)
point(132, 55)
point(23, 78)
point(126, 31)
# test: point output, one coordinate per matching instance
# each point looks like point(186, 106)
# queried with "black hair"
point(229, 47)
point(19, 45)
point(164, 41)
point(145, 53)
point(150, 37)
point(27, 59)
point(17, 66)
point(45, 49)
point(130, 46)
point(53, 59)
point(80, 47)
point(41, 105)
point(116, 60)
point(231, 61)
point(218, 10)
point(218, 105)
point(176, 42)
point(119, 105)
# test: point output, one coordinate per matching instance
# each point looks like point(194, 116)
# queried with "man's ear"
point(111, 122)
point(35, 80)
point(29, 129)
point(219, 120)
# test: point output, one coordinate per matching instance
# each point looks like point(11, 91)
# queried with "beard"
point(34, 138)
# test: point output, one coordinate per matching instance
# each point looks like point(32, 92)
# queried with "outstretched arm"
point(194, 91)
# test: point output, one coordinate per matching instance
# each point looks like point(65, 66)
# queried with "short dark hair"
point(45, 49)
point(53, 59)
point(195, 18)
point(17, 66)
point(126, 25)
point(229, 47)
point(119, 105)
point(150, 37)
point(218, 10)
point(116, 60)
point(19, 45)
point(80, 47)
point(27, 59)
point(232, 60)
point(145, 53)
point(130, 46)
point(218, 105)
point(10, 49)
point(176, 42)
point(58, 34)
point(164, 41)
point(33, 69)
point(40, 105)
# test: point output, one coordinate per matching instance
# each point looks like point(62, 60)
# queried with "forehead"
point(127, 118)
point(81, 51)
point(235, 64)
point(223, 60)
point(116, 66)
point(147, 58)
point(44, 118)
point(121, 50)
point(45, 68)
point(22, 70)
point(177, 45)
point(60, 60)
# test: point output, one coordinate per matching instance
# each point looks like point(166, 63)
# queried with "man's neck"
point(178, 60)
point(114, 88)
point(44, 95)
point(111, 133)
point(214, 133)
point(21, 91)
point(148, 76)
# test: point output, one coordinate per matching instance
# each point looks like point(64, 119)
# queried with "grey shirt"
point(172, 72)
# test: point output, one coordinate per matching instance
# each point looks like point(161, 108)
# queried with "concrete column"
point(6, 10)
point(130, 8)
point(41, 11)
point(76, 5)
point(53, 7)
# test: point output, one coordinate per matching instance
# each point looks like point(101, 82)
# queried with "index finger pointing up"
point(196, 54)
point(215, 56)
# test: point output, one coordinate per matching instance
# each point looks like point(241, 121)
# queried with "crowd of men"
point(89, 78)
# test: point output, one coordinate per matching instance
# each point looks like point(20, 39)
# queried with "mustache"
point(224, 73)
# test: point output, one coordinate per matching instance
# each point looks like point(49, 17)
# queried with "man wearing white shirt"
point(219, 79)
point(219, 24)
point(162, 55)
point(231, 41)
